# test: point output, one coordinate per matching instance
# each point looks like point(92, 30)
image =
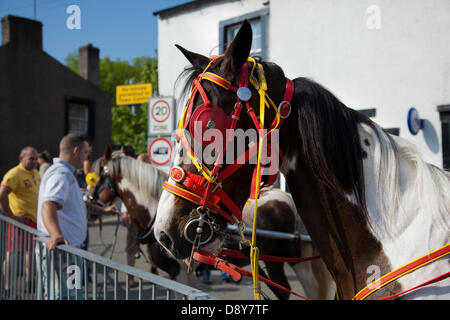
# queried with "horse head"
point(109, 183)
point(101, 182)
point(217, 145)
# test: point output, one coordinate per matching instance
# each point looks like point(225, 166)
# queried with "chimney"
point(24, 34)
point(88, 63)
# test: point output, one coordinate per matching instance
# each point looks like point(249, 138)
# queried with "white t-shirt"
point(60, 185)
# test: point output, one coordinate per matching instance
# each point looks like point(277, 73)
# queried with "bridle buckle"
point(177, 176)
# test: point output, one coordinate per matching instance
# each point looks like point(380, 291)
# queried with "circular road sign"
point(160, 151)
point(160, 111)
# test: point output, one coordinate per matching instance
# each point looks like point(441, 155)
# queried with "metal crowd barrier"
point(28, 271)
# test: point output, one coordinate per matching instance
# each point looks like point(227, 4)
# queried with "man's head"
point(74, 149)
point(144, 157)
point(28, 158)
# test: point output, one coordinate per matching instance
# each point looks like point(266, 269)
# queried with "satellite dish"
point(415, 124)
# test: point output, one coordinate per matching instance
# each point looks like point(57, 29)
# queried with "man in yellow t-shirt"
point(19, 188)
point(18, 200)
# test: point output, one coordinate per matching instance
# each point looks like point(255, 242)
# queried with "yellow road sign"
point(133, 93)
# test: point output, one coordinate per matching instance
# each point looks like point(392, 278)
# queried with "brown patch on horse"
point(137, 211)
point(340, 231)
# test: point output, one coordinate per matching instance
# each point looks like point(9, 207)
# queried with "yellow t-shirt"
point(24, 185)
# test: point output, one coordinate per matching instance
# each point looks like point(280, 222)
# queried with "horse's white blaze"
point(408, 210)
point(166, 206)
point(164, 213)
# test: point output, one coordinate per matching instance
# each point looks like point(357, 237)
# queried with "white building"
point(380, 56)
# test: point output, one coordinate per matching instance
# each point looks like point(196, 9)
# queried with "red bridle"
point(205, 189)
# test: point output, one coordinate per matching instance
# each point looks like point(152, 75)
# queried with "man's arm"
point(4, 205)
point(50, 220)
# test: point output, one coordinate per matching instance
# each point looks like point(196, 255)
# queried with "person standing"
point(61, 209)
point(45, 161)
point(18, 200)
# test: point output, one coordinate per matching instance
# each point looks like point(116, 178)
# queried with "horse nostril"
point(165, 240)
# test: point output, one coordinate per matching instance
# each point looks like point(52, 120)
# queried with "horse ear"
point(197, 60)
point(107, 153)
point(239, 49)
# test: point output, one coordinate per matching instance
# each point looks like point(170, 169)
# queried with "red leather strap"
point(418, 263)
point(235, 271)
point(285, 106)
point(263, 257)
point(220, 81)
point(195, 185)
point(437, 279)
point(196, 199)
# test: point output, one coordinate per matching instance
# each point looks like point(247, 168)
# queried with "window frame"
point(68, 100)
point(444, 116)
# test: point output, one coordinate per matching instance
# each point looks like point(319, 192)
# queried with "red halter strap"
point(207, 191)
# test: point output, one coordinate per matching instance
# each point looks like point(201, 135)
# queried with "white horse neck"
point(408, 203)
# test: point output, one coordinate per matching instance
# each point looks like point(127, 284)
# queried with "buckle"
point(178, 175)
point(281, 105)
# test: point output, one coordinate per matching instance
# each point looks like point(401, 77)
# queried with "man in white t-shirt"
point(61, 209)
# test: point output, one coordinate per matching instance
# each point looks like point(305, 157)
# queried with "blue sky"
point(122, 29)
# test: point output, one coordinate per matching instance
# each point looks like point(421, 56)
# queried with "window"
point(444, 115)
point(80, 117)
point(258, 20)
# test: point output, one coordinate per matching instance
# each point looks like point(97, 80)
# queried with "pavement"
point(101, 243)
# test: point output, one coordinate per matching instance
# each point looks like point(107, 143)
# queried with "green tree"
point(127, 129)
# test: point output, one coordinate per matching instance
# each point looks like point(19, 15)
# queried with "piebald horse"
point(138, 185)
point(368, 200)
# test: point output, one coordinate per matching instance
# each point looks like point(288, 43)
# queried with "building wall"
point(405, 63)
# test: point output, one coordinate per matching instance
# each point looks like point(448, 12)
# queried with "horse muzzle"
point(200, 230)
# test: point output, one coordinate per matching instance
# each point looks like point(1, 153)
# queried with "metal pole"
point(272, 234)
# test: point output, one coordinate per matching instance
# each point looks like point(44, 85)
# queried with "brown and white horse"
point(368, 200)
point(138, 185)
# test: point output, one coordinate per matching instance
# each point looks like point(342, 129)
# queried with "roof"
point(183, 7)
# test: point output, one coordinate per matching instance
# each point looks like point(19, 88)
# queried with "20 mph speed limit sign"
point(161, 116)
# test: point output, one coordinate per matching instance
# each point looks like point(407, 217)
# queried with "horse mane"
point(329, 138)
point(186, 78)
point(424, 190)
point(147, 178)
